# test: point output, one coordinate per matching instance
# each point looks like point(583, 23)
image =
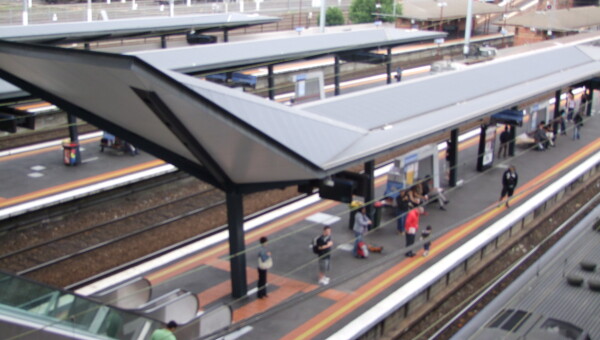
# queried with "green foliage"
point(333, 17)
point(363, 11)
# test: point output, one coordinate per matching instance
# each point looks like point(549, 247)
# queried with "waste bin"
point(377, 214)
point(71, 153)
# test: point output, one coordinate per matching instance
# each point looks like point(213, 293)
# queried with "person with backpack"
point(361, 226)
point(265, 262)
point(322, 247)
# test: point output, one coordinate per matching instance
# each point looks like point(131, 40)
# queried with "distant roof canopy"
point(133, 27)
point(213, 57)
point(430, 10)
point(563, 20)
point(233, 139)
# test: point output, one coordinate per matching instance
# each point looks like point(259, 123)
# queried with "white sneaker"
point(325, 281)
point(425, 253)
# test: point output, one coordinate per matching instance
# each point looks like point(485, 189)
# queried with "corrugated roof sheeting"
point(550, 294)
point(418, 108)
point(210, 57)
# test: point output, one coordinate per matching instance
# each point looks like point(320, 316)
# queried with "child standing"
point(424, 235)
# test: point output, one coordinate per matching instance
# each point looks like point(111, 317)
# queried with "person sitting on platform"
point(429, 191)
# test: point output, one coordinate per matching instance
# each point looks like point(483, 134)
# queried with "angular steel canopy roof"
point(234, 139)
point(213, 57)
point(131, 27)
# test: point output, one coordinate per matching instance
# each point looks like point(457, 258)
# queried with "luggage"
point(363, 251)
point(375, 249)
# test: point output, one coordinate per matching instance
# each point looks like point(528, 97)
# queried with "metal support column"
point(336, 75)
point(163, 41)
point(225, 35)
point(590, 96)
point(388, 65)
point(271, 82)
point(556, 115)
point(453, 158)
point(512, 130)
point(235, 221)
point(370, 192)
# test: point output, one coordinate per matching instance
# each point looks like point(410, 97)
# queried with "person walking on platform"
point(324, 246)
point(360, 228)
point(165, 333)
point(265, 262)
point(504, 140)
point(424, 236)
point(510, 178)
point(412, 226)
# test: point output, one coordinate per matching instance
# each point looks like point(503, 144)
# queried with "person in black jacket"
point(509, 183)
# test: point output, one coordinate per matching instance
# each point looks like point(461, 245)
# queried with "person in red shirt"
point(412, 226)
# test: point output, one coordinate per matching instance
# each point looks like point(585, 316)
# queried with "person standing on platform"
point(510, 178)
point(504, 140)
point(361, 225)
point(424, 235)
point(402, 208)
point(265, 262)
point(398, 74)
point(412, 226)
point(165, 333)
point(324, 246)
point(577, 124)
point(570, 105)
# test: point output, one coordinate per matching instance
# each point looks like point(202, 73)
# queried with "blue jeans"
point(401, 222)
point(359, 237)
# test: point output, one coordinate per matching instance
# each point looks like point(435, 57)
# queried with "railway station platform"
point(297, 306)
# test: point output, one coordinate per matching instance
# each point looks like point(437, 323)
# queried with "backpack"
point(314, 246)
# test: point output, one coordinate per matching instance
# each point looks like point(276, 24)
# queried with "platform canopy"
point(56, 33)
point(430, 10)
point(196, 59)
point(236, 140)
point(574, 19)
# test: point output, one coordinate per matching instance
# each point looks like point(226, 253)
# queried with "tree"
point(333, 17)
point(363, 11)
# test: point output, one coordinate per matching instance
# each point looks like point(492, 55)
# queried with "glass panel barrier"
point(61, 309)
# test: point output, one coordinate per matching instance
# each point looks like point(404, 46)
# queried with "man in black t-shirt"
point(324, 246)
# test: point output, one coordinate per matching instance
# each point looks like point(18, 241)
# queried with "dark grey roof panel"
point(210, 57)
point(148, 26)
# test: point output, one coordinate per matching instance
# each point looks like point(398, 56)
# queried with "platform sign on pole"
point(309, 86)
point(485, 157)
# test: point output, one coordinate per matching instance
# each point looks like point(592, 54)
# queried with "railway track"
point(97, 236)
